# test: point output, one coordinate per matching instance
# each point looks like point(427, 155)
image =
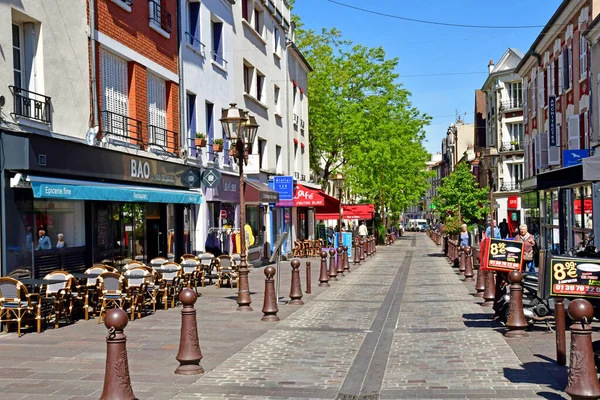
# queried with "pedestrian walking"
point(504, 231)
point(488, 231)
point(362, 230)
point(465, 237)
point(528, 247)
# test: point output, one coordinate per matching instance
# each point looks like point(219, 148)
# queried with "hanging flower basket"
point(200, 142)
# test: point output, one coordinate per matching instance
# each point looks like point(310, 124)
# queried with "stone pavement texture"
point(400, 326)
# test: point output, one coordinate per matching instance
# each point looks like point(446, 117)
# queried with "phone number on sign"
point(576, 289)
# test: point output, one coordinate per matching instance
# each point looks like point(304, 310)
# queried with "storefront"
point(104, 204)
point(258, 197)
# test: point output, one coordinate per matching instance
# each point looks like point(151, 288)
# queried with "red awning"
point(307, 197)
point(331, 207)
point(350, 211)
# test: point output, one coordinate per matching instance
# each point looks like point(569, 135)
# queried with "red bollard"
point(332, 267)
point(480, 283)
point(270, 308)
point(323, 278)
point(308, 278)
point(363, 249)
point(117, 383)
point(356, 251)
point(339, 261)
point(346, 262)
point(462, 256)
point(489, 294)
point(583, 381)
point(468, 265)
point(189, 354)
point(515, 321)
point(561, 345)
point(295, 289)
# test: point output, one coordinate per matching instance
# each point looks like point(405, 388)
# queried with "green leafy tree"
point(460, 198)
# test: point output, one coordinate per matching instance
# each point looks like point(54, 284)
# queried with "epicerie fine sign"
point(141, 170)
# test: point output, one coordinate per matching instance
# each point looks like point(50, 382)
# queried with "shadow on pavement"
point(546, 374)
point(550, 395)
point(439, 255)
point(481, 320)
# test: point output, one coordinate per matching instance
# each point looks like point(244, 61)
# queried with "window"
point(258, 21)
point(193, 24)
point(515, 95)
point(582, 56)
point(248, 75)
point(245, 5)
point(533, 94)
point(278, 163)
point(276, 38)
point(515, 173)
point(276, 99)
point(568, 70)
point(515, 132)
point(294, 94)
point(296, 159)
point(157, 110)
point(573, 126)
point(210, 129)
point(191, 120)
point(260, 83)
point(262, 156)
point(115, 104)
point(17, 56)
point(217, 42)
point(160, 19)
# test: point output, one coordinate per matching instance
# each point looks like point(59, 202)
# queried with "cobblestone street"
point(400, 326)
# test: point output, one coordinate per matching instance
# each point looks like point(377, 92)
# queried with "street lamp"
point(339, 179)
point(493, 156)
point(241, 129)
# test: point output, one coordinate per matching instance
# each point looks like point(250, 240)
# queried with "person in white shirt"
point(362, 230)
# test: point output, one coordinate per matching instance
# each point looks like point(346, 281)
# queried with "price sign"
point(575, 277)
point(504, 255)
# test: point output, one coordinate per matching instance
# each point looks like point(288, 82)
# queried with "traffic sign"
point(223, 214)
point(211, 177)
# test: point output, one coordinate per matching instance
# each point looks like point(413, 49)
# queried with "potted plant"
point(514, 144)
point(200, 140)
point(232, 152)
point(218, 145)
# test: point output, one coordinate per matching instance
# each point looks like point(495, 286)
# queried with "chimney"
point(491, 66)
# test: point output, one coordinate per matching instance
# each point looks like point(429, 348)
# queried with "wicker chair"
point(132, 264)
point(158, 261)
point(60, 295)
point(208, 263)
point(192, 272)
point(227, 270)
point(88, 291)
point(170, 283)
point(16, 303)
point(139, 284)
point(111, 292)
point(186, 257)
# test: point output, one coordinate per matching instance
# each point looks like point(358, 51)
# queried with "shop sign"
point(574, 157)
point(211, 177)
point(253, 166)
point(504, 255)
point(574, 277)
point(552, 119)
point(285, 186)
point(587, 206)
point(513, 202)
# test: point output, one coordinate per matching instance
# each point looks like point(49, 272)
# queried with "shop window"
point(60, 217)
point(253, 219)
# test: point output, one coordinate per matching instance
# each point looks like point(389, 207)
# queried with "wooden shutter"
point(157, 106)
point(538, 158)
point(573, 132)
point(526, 155)
point(554, 151)
point(114, 83)
point(560, 72)
point(544, 149)
point(540, 90)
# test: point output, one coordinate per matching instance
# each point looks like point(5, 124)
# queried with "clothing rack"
point(219, 230)
point(221, 243)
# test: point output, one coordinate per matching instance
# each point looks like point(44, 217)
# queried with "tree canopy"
point(362, 122)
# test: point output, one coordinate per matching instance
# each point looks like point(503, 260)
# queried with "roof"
point(299, 52)
point(510, 52)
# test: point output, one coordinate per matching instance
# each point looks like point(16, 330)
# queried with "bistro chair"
point(20, 273)
point(298, 250)
point(111, 292)
point(108, 267)
point(170, 282)
point(227, 271)
point(13, 308)
point(60, 295)
point(139, 283)
point(87, 292)
point(192, 272)
point(132, 264)
point(158, 261)
point(208, 263)
point(186, 257)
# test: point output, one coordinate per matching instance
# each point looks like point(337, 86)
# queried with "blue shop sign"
point(285, 186)
point(574, 157)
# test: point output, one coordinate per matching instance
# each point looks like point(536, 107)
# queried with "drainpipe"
point(94, 72)
point(182, 105)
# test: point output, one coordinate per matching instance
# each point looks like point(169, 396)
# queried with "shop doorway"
point(514, 220)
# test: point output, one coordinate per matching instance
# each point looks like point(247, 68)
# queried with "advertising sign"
point(513, 202)
point(574, 157)
point(504, 255)
point(285, 186)
point(552, 119)
point(574, 277)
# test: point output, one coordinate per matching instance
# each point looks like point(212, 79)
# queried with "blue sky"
point(434, 49)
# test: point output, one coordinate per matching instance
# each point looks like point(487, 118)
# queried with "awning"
point(560, 177)
point(304, 197)
point(591, 168)
point(349, 211)
point(330, 209)
point(56, 188)
point(258, 192)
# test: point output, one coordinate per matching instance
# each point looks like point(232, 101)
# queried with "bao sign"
point(575, 277)
point(504, 255)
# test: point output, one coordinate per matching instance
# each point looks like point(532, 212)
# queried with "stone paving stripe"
point(319, 329)
point(368, 369)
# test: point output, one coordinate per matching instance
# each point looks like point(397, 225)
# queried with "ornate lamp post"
point(493, 155)
point(240, 129)
point(338, 180)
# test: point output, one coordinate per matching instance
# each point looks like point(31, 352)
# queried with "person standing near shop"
point(504, 231)
point(362, 230)
point(488, 231)
point(465, 237)
point(528, 247)
point(43, 241)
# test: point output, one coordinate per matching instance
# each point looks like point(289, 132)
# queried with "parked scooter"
point(585, 249)
point(535, 308)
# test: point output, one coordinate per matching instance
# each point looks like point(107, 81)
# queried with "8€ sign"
point(574, 277)
point(504, 255)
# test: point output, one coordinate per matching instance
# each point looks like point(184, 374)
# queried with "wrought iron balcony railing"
point(512, 104)
point(164, 139)
point(195, 43)
point(218, 58)
point(122, 128)
point(510, 186)
point(31, 105)
point(160, 16)
point(512, 146)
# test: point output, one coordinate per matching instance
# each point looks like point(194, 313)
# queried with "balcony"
point(512, 146)
point(31, 105)
point(303, 178)
point(122, 129)
point(195, 43)
point(301, 124)
point(164, 139)
point(159, 16)
point(296, 119)
point(510, 186)
point(512, 105)
point(297, 175)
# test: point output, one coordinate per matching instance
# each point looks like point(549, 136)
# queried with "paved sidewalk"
point(401, 326)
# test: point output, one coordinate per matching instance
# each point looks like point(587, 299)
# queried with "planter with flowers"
point(200, 140)
point(218, 145)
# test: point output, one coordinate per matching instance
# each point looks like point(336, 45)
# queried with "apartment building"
point(505, 134)
point(459, 139)
point(556, 97)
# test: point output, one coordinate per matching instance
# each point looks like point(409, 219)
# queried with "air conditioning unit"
point(296, 119)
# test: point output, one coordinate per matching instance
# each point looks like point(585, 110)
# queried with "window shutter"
point(157, 107)
point(541, 89)
point(538, 158)
point(526, 156)
point(550, 78)
point(574, 132)
point(114, 83)
point(544, 149)
point(554, 151)
point(561, 74)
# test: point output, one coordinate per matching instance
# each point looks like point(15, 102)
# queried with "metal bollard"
point(356, 251)
point(189, 354)
point(583, 381)
point(561, 345)
point(515, 321)
point(346, 262)
point(332, 267)
point(469, 274)
point(489, 293)
point(323, 278)
point(270, 308)
point(339, 261)
point(308, 278)
point(295, 289)
point(462, 257)
point(363, 249)
point(117, 383)
point(480, 283)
